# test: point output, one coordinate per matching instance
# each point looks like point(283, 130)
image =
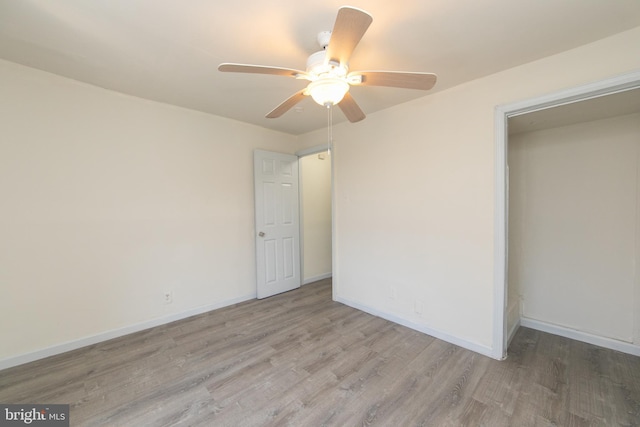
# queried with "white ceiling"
point(169, 51)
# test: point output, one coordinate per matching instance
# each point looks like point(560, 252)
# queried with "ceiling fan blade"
point(287, 104)
point(351, 24)
point(351, 109)
point(261, 69)
point(407, 80)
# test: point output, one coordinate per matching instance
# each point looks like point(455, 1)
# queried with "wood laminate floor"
point(301, 359)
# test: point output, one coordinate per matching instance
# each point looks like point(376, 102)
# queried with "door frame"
point(308, 152)
point(501, 214)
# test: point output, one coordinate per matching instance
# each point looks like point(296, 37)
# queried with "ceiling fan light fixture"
point(328, 69)
point(328, 90)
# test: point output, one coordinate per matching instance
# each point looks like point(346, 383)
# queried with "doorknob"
point(261, 234)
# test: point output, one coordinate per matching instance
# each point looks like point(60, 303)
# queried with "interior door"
point(277, 222)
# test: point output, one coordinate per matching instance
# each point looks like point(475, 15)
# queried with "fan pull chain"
point(329, 128)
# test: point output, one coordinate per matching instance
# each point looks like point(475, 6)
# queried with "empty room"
point(317, 213)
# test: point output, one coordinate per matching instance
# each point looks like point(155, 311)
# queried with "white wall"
point(316, 218)
point(414, 195)
point(108, 201)
point(573, 226)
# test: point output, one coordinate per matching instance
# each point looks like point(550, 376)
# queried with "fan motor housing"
point(318, 65)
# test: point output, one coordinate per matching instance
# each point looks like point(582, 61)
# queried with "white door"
point(277, 222)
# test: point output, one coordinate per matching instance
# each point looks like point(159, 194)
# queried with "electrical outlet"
point(168, 297)
point(393, 292)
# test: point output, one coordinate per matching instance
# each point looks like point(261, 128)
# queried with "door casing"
point(501, 217)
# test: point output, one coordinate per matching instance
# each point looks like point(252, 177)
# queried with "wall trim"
point(512, 331)
point(608, 86)
point(316, 278)
point(116, 333)
point(577, 335)
point(469, 345)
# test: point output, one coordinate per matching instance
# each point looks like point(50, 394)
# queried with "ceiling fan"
point(328, 70)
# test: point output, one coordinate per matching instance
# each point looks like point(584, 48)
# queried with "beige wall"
point(415, 193)
point(316, 218)
point(573, 226)
point(108, 201)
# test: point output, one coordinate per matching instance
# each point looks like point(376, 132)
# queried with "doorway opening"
point(505, 323)
point(316, 214)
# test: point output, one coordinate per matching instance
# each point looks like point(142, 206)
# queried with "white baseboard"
point(115, 333)
point(316, 278)
point(574, 334)
point(469, 345)
point(513, 315)
point(512, 331)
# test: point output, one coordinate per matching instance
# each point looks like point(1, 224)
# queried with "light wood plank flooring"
point(301, 359)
